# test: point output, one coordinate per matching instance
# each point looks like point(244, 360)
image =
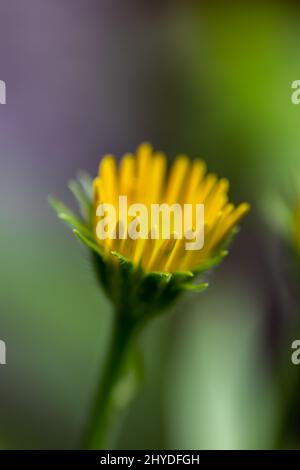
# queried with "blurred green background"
point(209, 79)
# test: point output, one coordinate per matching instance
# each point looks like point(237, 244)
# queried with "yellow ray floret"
point(143, 179)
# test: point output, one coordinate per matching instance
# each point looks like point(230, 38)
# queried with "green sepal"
point(83, 199)
point(65, 214)
point(89, 243)
point(101, 267)
point(230, 237)
point(221, 253)
point(122, 259)
point(86, 183)
point(211, 263)
point(123, 283)
point(182, 276)
point(152, 286)
point(194, 287)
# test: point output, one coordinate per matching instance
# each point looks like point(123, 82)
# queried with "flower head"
point(148, 272)
point(143, 180)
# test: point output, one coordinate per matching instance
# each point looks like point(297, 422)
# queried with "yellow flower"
point(143, 276)
point(143, 178)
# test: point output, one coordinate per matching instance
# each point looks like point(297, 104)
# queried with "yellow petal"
point(127, 176)
point(108, 174)
point(157, 177)
point(176, 179)
point(144, 153)
point(195, 177)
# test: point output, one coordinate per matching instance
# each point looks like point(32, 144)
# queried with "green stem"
point(102, 411)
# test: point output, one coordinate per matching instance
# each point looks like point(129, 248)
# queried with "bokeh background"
point(210, 79)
